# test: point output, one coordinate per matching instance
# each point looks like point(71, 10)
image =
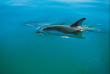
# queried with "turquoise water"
point(23, 51)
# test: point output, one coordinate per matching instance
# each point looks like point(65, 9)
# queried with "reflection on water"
point(79, 36)
point(23, 51)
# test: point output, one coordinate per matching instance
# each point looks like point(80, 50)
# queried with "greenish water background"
point(22, 51)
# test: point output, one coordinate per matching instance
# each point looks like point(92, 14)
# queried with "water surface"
point(23, 51)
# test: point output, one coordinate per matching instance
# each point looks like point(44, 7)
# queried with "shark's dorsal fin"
point(78, 23)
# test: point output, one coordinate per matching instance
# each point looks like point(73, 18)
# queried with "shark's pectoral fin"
point(78, 23)
point(79, 36)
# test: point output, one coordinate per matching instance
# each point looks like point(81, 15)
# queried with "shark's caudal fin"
point(78, 23)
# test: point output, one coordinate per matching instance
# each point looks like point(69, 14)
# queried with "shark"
point(76, 28)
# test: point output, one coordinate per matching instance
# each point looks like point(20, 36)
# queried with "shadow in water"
point(79, 36)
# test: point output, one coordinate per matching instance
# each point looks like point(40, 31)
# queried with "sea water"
point(23, 51)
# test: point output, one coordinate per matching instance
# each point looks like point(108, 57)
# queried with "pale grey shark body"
point(75, 28)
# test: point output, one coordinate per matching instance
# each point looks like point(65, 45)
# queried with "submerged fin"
point(94, 25)
point(78, 23)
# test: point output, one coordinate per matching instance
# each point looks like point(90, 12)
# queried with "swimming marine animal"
point(75, 28)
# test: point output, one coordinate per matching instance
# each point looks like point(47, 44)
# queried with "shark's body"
point(75, 28)
point(65, 29)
